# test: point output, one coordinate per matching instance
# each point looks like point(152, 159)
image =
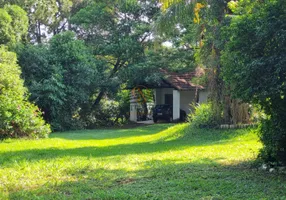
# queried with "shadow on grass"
point(102, 134)
point(196, 139)
point(203, 179)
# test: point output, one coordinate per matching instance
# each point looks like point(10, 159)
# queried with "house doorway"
point(169, 99)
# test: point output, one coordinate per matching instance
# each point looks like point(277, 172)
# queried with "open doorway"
point(169, 99)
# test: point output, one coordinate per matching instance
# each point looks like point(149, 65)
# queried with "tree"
point(13, 24)
point(46, 17)
point(200, 25)
point(18, 117)
point(147, 69)
point(255, 69)
point(62, 77)
point(119, 32)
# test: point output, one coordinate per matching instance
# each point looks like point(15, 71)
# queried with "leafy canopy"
point(62, 76)
point(13, 24)
point(255, 56)
point(119, 33)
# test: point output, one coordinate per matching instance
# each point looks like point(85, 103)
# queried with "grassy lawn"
point(162, 161)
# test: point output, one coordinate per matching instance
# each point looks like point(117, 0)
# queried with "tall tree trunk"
point(39, 33)
point(216, 88)
point(98, 99)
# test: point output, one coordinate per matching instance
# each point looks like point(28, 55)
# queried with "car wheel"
point(155, 120)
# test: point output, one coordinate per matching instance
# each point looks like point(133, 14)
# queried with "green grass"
point(162, 161)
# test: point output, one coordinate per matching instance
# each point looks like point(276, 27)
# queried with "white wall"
point(133, 107)
point(133, 112)
point(176, 104)
point(160, 95)
point(187, 98)
point(203, 96)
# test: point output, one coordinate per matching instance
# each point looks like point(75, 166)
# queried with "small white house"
point(177, 90)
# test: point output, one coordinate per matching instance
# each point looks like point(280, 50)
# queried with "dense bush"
point(203, 116)
point(62, 77)
point(109, 112)
point(273, 136)
point(104, 115)
point(18, 117)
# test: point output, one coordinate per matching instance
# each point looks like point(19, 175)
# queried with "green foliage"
point(118, 33)
point(18, 117)
point(197, 25)
point(62, 77)
point(254, 68)
point(46, 17)
point(112, 111)
point(123, 99)
point(19, 24)
point(272, 134)
point(245, 60)
point(5, 21)
point(203, 116)
point(111, 31)
point(146, 71)
point(13, 24)
point(106, 115)
point(65, 79)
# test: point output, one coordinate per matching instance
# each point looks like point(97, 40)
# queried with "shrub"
point(273, 136)
point(202, 116)
point(18, 117)
point(104, 115)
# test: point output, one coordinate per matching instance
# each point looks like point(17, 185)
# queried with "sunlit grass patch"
point(163, 161)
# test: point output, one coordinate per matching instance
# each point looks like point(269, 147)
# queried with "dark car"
point(165, 112)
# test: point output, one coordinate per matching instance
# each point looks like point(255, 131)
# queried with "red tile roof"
point(183, 81)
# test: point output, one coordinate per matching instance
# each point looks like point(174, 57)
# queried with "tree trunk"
point(116, 67)
point(98, 99)
point(39, 33)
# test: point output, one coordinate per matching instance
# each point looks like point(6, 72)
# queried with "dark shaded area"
point(112, 133)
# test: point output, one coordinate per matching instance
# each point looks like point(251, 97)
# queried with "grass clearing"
point(162, 161)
